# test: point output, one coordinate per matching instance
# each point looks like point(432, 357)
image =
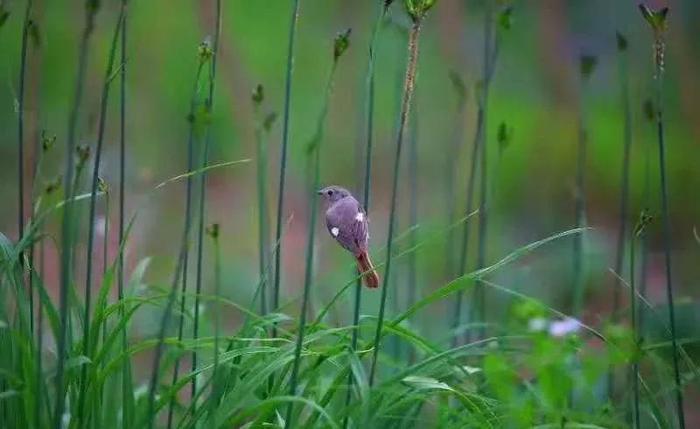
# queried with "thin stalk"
point(188, 222)
point(202, 190)
point(644, 244)
point(624, 185)
point(283, 158)
point(471, 185)
point(308, 273)
point(413, 207)
point(20, 151)
point(667, 238)
point(451, 158)
point(67, 232)
point(126, 384)
point(217, 314)
point(488, 63)
point(93, 207)
point(635, 333)
point(409, 83)
point(105, 267)
point(369, 139)
point(263, 220)
point(587, 65)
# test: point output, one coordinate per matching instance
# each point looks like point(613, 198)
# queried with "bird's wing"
point(347, 223)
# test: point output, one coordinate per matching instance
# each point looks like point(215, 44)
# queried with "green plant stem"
point(667, 243)
point(624, 183)
point(20, 152)
point(451, 158)
point(188, 222)
point(490, 54)
point(369, 139)
point(308, 273)
point(471, 181)
point(93, 206)
point(203, 189)
point(635, 336)
point(409, 83)
point(283, 158)
point(216, 383)
point(126, 382)
point(413, 207)
point(67, 232)
point(263, 220)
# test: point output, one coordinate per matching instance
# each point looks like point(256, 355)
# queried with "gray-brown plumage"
point(347, 222)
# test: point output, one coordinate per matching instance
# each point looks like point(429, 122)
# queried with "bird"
point(347, 223)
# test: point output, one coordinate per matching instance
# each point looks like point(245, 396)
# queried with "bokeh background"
point(536, 90)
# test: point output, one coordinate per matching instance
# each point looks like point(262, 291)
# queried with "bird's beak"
point(320, 192)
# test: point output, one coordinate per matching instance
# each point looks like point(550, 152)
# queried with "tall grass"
point(490, 56)
point(657, 21)
point(93, 201)
point(209, 106)
point(184, 245)
point(417, 9)
point(67, 228)
point(340, 45)
point(283, 156)
point(180, 273)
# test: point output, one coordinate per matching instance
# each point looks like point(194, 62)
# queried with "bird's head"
point(333, 193)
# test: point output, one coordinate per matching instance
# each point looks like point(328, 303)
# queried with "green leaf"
point(77, 361)
point(426, 383)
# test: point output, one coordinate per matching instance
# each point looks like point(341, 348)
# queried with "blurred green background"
point(536, 90)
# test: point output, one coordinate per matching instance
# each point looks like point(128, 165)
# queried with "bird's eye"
point(330, 192)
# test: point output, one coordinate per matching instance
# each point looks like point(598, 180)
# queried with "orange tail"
point(364, 264)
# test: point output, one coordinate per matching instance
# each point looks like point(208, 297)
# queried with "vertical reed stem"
point(409, 83)
point(369, 139)
point(20, 153)
point(127, 396)
point(93, 206)
point(263, 220)
point(308, 272)
point(635, 333)
point(667, 241)
point(488, 64)
point(67, 227)
point(624, 184)
point(283, 158)
point(188, 222)
point(203, 189)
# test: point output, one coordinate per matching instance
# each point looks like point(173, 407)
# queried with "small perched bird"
point(347, 222)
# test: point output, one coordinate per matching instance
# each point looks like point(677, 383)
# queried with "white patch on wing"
point(335, 231)
point(360, 216)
